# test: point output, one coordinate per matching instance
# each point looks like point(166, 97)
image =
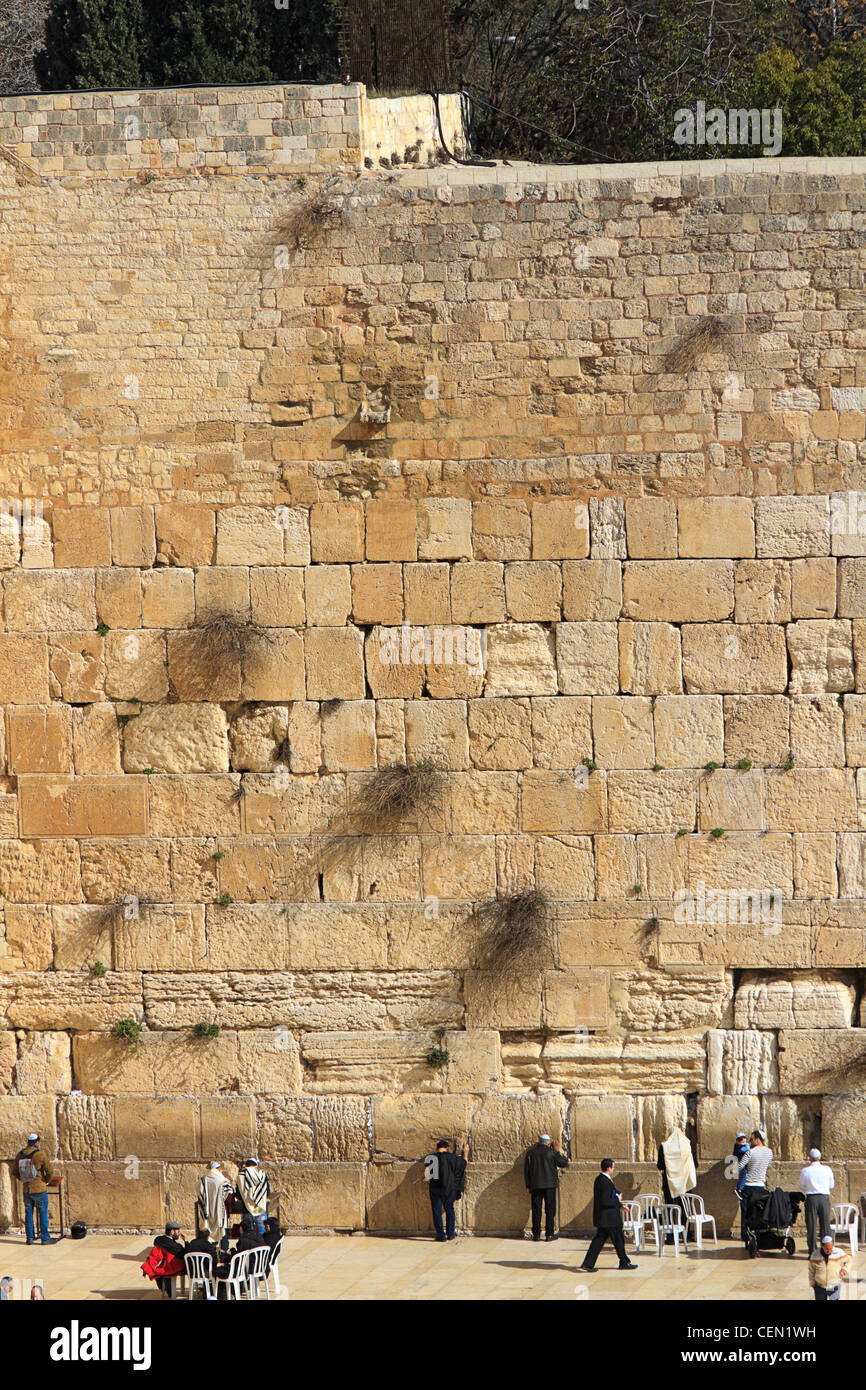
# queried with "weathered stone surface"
point(601, 1125)
point(520, 660)
point(740, 1062)
point(156, 1127)
point(58, 1000)
point(23, 1115)
point(43, 1065)
point(719, 1120)
point(650, 661)
point(587, 659)
point(791, 526)
point(320, 1195)
point(505, 1126)
point(178, 738)
point(733, 658)
point(510, 1004)
point(650, 1001)
point(818, 1061)
point(842, 1120)
point(657, 1065)
point(821, 656)
point(657, 1117)
point(575, 999)
point(105, 1194)
point(815, 1000)
point(86, 1127)
point(359, 1062)
point(408, 1126)
point(678, 591)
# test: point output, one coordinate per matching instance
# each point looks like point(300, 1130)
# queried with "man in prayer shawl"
point(677, 1165)
point(254, 1190)
point(214, 1193)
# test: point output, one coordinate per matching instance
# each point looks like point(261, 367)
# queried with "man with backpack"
point(35, 1172)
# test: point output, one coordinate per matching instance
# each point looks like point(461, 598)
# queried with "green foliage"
point(823, 106)
point(128, 1031)
point(103, 629)
point(716, 833)
point(744, 764)
point(438, 1057)
point(224, 900)
point(710, 767)
point(206, 1030)
point(97, 969)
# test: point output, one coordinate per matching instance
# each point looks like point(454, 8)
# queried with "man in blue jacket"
point(607, 1219)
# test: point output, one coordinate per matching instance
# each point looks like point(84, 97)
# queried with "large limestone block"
point(595, 938)
point(161, 1127)
point(811, 800)
point(135, 666)
point(81, 538)
point(731, 799)
point(512, 1004)
point(86, 1127)
point(167, 598)
point(818, 1061)
point(500, 733)
point(651, 528)
point(622, 728)
point(704, 943)
point(533, 591)
point(409, 1126)
point(28, 938)
point(462, 867)
point(261, 869)
point(504, 1127)
point(814, 1000)
point(395, 661)
point(362, 1062)
point(575, 1000)
point(340, 1128)
point(23, 1115)
point(116, 1194)
point(185, 534)
point(285, 1129)
point(177, 738)
point(720, 1118)
point(520, 660)
point(709, 526)
point(336, 532)
point(43, 1065)
point(249, 536)
point(377, 594)
point(274, 670)
point(501, 530)
point(762, 591)
point(821, 656)
point(478, 802)
point(161, 937)
point(560, 529)
point(564, 866)
point(607, 523)
point(228, 947)
point(477, 593)
point(561, 731)
point(650, 662)
point(349, 736)
point(397, 1197)
point(591, 590)
point(277, 597)
point(34, 871)
point(444, 528)
point(678, 591)
point(734, 658)
point(82, 806)
point(192, 804)
point(792, 526)
point(437, 731)
point(601, 1124)
point(740, 1062)
point(40, 740)
point(171, 1064)
point(842, 1124)
point(689, 730)
point(587, 659)
point(557, 802)
point(346, 937)
point(325, 1196)
point(328, 591)
point(795, 1125)
point(655, 1001)
point(113, 869)
point(433, 936)
point(658, 800)
point(817, 731)
point(57, 1000)
point(118, 598)
point(657, 1117)
point(390, 533)
point(50, 601)
point(78, 667)
point(255, 737)
point(427, 592)
point(96, 739)
point(198, 672)
point(133, 536)
point(23, 670)
point(591, 1064)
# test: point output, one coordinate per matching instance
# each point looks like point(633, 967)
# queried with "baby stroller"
point(768, 1218)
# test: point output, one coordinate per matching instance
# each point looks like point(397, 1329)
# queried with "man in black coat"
point(447, 1179)
point(607, 1219)
point(541, 1175)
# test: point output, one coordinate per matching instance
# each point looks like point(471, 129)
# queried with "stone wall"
point(545, 476)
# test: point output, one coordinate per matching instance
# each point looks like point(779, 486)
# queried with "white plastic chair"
point(844, 1217)
point(671, 1224)
point(199, 1268)
point(649, 1205)
point(237, 1277)
point(632, 1222)
point(273, 1271)
point(696, 1216)
point(257, 1271)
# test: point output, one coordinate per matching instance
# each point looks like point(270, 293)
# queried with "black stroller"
point(768, 1218)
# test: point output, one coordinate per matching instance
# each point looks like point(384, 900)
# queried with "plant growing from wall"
point(310, 219)
point(128, 1031)
point(98, 970)
point(391, 794)
point(709, 334)
point(206, 1030)
point(209, 652)
point(515, 934)
point(438, 1056)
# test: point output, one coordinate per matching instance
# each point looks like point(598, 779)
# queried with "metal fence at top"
point(396, 46)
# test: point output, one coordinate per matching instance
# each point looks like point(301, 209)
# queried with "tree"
point(94, 43)
point(823, 106)
point(218, 41)
point(22, 29)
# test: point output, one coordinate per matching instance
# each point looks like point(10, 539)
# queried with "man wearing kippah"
point(541, 1175)
point(816, 1183)
point(827, 1268)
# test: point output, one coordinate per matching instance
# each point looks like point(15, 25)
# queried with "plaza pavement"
point(106, 1268)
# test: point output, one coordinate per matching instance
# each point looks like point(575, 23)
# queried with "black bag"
point(78, 1230)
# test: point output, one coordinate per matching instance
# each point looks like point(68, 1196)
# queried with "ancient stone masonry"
point(543, 481)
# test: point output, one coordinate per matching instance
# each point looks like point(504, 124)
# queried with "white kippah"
point(814, 1153)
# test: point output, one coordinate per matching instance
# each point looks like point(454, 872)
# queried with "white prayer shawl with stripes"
point(253, 1190)
point(213, 1190)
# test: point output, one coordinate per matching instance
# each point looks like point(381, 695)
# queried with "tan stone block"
point(222, 591)
point(249, 536)
point(500, 733)
point(520, 660)
point(28, 938)
point(601, 1125)
point(757, 728)
point(663, 800)
point(437, 731)
point(817, 731)
point(813, 588)
point(23, 670)
point(501, 530)
point(133, 537)
point(118, 598)
point(496, 1199)
point(274, 667)
point(818, 1061)
point(37, 551)
point(295, 525)
point(444, 528)
point(719, 1119)
point(461, 867)
point(731, 799)
point(503, 1127)
point(741, 1062)
point(792, 526)
point(101, 1194)
point(855, 730)
point(477, 592)
point(711, 526)
point(616, 866)
point(762, 591)
point(815, 866)
point(734, 658)
point(742, 860)
point(177, 738)
point(82, 805)
point(851, 589)
point(481, 803)
point(328, 595)
point(285, 1129)
point(842, 1119)
point(427, 593)
point(186, 534)
point(591, 590)
point(40, 740)
point(564, 866)
point(821, 656)
point(162, 936)
point(334, 659)
point(586, 659)
point(227, 1127)
point(192, 805)
point(337, 532)
point(377, 593)
point(277, 596)
point(112, 868)
point(43, 1065)
point(391, 529)
point(649, 659)
point(560, 529)
point(49, 600)
point(689, 730)
point(81, 538)
point(77, 663)
point(135, 665)
point(811, 800)
point(622, 730)
point(556, 803)
point(34, 871)
point(409, 1126)
point(162, 1127)
point(561, 731)
point(395, 661)
point(533, 591)
point(701, 944)
point(432, 936)
point(23, 1115)
point(661, 1063)
point(82, 936)
point(814, 1001)
point(346, 939)
point(167, 598)
point(349, 736)
point(575, 1000)
point(86, 1126)
point(678, 591)
point(651, 528)
point(63, 1000)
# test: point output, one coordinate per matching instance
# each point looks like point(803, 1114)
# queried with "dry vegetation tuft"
point(515, 934)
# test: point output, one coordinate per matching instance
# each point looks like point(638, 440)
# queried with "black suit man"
point(607, 1219)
